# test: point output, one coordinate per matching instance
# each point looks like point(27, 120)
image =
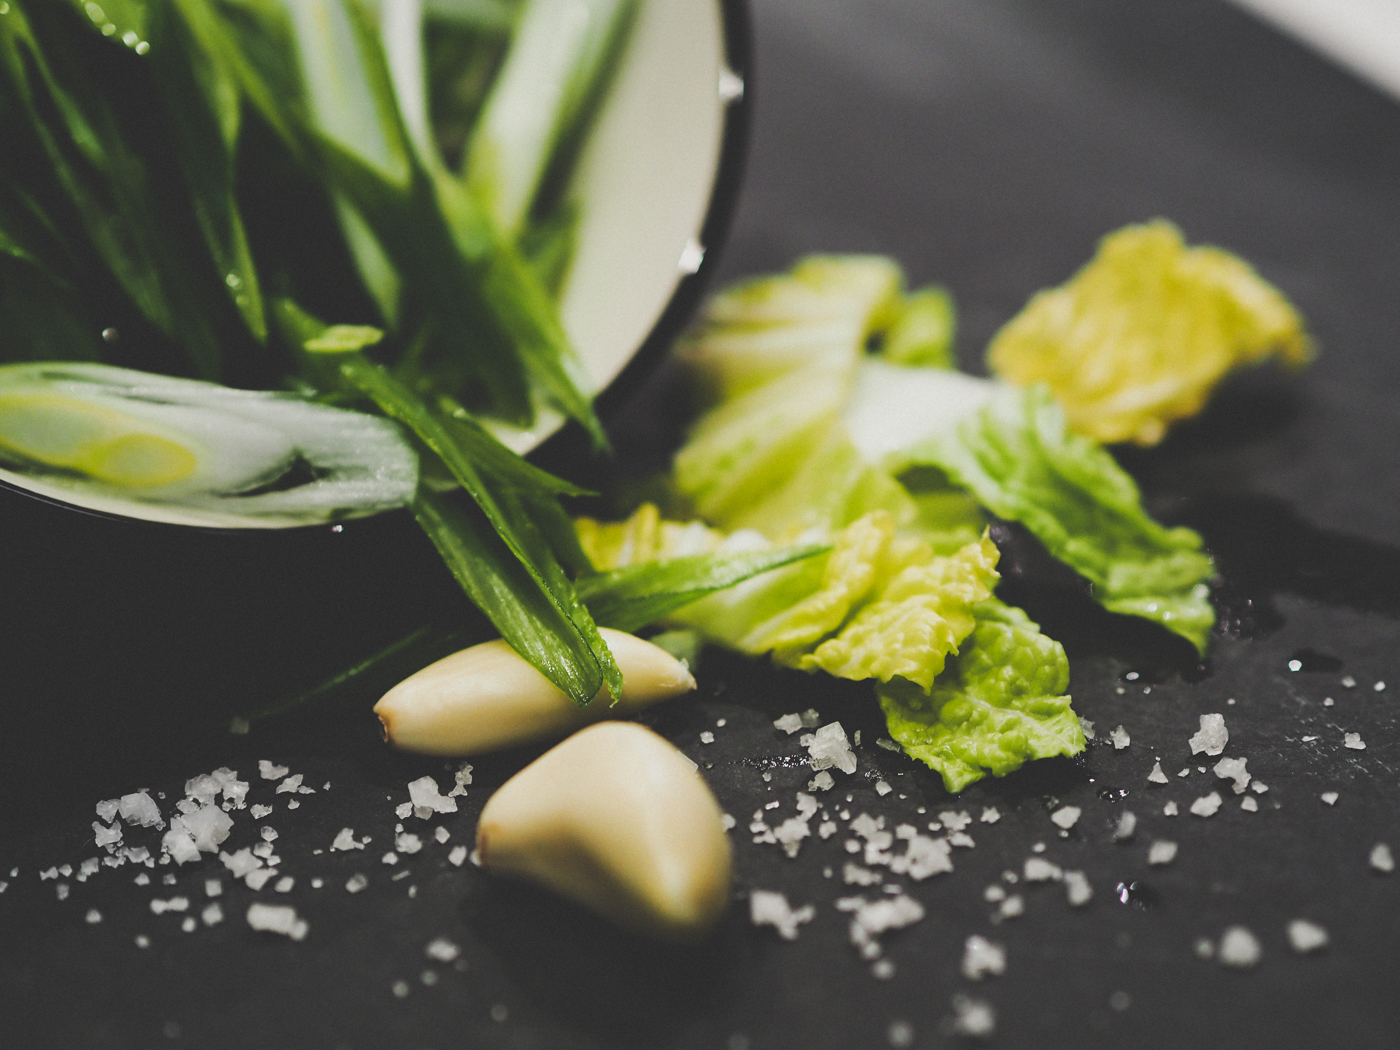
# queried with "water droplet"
point(143, 47)
point(233, 280)
point(109, 29)
point(110, 335)
point(130, 39)
point(1138, 895)
point(95, 13)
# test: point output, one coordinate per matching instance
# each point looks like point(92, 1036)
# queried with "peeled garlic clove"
point(620, 821)
point(489, 697)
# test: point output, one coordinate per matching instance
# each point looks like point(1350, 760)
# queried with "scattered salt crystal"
point(139, 808)
point(1306, 936)
point(1239, 948)
point(806, 806)
point(1170, 810)
point(461, 779)
point(212, 915)
point(1249, 805)
point(400, 989)
point(284, 884)
point(189, 925)
point(356, 883)
point(1157, 776)
point(1233, 769)
point(1185, 772)
point(213, 888)
point(142, 879)
point(442, 834)
point(169, 879)
point(425, 796)
point(827, 829)
point(1077, 889)
point(974, 1018)
point(1038, 847)
point(160, 907)
point(1382, 859)
point(1204, 947)
point(1127, 824)
point(707, 737)
point(1038, 869)
point(457, 856)
point(142, 941)
point(872, 918)
point(107, 810)
point(828, 747)
point(1379, 687)
point(404, 810)
point(263, 850)
point(990, 815)
point(1330, 797)
point(1120, 738)
point(317, 882)
point(1013, 907)
point(407, 843)
point(993, 893)
point(256, 880)
point(4, 886)
point(1327, 701)
point(346, 840)
point(206, 827)
point(982, 957)
point(954, 821)
point(270, 772)
point(179, 845)
point(1088, 728)
point(789, 724)
point(922, 858)
point(900, 1033)
point(1309, 739)
point(888, 744)
point(790, 833)
point(1212, 737)
point(823, 781)
point(1206, 805)
point(259, 811)
point(961, 838)
point(771, 908)
point(292, 783)
point(105, 836)
point(882, 788)
point(277, 918)
point(1259, 787)
point(854, 875)
point(1354, 741)
point(1161, 852)
point(1066, 816)
point(1348, 682)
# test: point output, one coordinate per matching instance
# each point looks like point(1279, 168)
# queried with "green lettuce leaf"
point(1018, 458)
point(999, 703)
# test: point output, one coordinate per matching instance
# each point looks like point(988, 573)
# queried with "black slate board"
point(987, 144)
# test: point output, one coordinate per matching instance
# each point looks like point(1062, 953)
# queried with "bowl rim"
point(725, 191)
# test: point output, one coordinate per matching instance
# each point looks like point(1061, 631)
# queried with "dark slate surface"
point(987, 144)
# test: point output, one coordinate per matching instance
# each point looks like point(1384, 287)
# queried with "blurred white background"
point(1361, 34)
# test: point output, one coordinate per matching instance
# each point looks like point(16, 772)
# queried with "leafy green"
point(1019, 459)
point(998, 704)
point(632, 597)
point(923, 332)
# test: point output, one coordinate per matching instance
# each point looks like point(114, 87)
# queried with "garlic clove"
point(489, 697)
point(619, 820)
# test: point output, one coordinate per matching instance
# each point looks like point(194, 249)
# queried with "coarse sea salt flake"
point(829, 747)
point(268, 771)
point(990, 815)
point(1212, 736)
point(1127, 824)
point(240, 863)
point(1249, 804)
point(1038, 869)
point(1013, 907)
point(1239, 948)
point(771, 908)
point(789, 724)
point(424, 794)
point(457, 856)
point(882, 788)
point(259, 811)
point(1170, 810)
point(1330, 797)
point(105, 836)
point(1077, 889)
point(441, 834)
point(1120, 738)
point(1354, 741)
point(212, 915)
point(1382, 859)
point(355, 883)
point(823, 781)
point(1157, 776)
point(292, 783)
point(1233, 769)
point(982, 957)
point(953, 820)
point(973, 1018)
point(1206, 805)
point(407, 843)
point(1161, 852)
point(345, 840)
point(277, 918)
point(1066, 817)
point(140, 809)
point(256, 880)
point(107, 810)
point(1306, 936)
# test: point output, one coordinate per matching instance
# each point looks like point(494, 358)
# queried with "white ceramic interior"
point(643, 184)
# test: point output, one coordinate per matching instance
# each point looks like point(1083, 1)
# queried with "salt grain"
point(1077, 889)
point(1306, 936)
point(1038, 869)
point(277, 918)
point(160, 907)
point(1088, 728)
point(189, 925)
point(1066, 817)
point(1348, 682)
point(1161, 852)
point(356, 883)
point(142, 941)
point(284, 884)
point(1234, 769)
point(1379, 687)
point(1120, 738)
point(1239, 948)
point(291, 784)
point(407, 843)
point(993, 893)
point(823, 781)
point(771, 908)
point(982, 957)
point(1212, 737)
point(427, 800)
point(990, 815)
point(827, 828)
point(1170, 810)
point(107, 810)
point(954, 821)
point(1249, 805)
point(1206, 805)
point(270, 772)
point(974, 1018)
point(1354, 741)
point(707, 737)
point(1157, 776)
point(872, 918)
point(882, 788)
point(1012, 907)
point(828, 747)
point(442, 950)
point(256, 880)
point(457, 856)
point(1127, 824)
point(442, 834)
point(1330, 797)
point(93, 917)
point(259, 812)
point(789, 724)
point(400, 989)
point(212, 915)
point(900, 1033)
point(345, 840)
point(140, 809)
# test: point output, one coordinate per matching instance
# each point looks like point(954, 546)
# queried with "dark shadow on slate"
point(593, 977)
